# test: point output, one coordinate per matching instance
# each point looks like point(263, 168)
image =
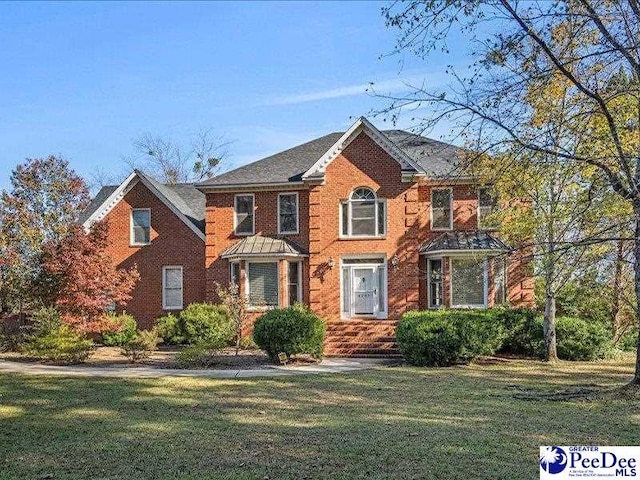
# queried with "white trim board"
point(318, 169)
point(119, 193)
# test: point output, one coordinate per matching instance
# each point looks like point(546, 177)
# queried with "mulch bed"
point(165, 357)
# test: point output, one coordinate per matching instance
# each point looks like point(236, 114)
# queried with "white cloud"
point(382, 87)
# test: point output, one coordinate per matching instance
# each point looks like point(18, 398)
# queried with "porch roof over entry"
point(263, 246)
point(461, 241)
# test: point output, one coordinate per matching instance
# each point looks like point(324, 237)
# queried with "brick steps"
point(361, 338)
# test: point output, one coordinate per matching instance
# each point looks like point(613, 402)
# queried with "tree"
point(599, 44)
point(44, 203)
point(171, 163)
point(81, 280)
point(237, 304)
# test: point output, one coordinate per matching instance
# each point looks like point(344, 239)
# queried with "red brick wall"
point(220, 233)
point(172, 243)
point(362, 163)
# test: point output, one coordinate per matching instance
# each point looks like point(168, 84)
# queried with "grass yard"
point(485, 421)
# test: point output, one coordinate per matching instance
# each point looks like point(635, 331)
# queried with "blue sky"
point(83, 80)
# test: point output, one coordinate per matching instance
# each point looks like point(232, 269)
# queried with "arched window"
point(363, 214)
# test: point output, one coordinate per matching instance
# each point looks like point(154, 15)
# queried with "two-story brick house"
point(360, 225)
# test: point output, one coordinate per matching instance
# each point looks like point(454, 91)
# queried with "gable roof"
point(414, 152)
point(183, 199)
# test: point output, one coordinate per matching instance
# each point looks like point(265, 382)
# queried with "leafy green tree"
point(44, 202)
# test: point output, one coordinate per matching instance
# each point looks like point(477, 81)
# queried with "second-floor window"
point(244, 216)
point(441, 212)
point(486, 206)
point(140, 226)
point(363, 215)
point(288, 213)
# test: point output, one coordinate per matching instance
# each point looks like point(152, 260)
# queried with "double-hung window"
point(363, 215)
point(441, 212)
point(486, 206)
point(244, 215)
point(468, 282)
point(140, 226)
point(172, 288)
point(262, 284)
point(294, 282)
point(288, 213)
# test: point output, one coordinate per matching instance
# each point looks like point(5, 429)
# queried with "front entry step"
point(361, 338)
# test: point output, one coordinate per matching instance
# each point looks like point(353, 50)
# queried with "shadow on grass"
point(460, 422)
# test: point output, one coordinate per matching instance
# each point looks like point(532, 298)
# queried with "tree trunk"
point(636, 270)
point(551, 352)
point(617, 288)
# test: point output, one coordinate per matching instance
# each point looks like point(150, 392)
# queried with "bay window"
point(468, 282)
point(363, 215)
point(294, 282)
point(262, 284)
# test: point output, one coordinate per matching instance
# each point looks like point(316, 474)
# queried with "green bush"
point(199, 323)
point(579, 339)
point(125, 332)
point(170, 329)
point(141, 346)
point(448, 337)
point(629, 342)
point(523, 332)
point(196, 356)
point(293, 330)
point(576, 338)
point(50, 339)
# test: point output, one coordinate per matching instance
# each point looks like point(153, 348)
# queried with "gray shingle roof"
point(464, 240)
point(96, 201)
point(184, 196)
point(258, 245)
point(438, 159)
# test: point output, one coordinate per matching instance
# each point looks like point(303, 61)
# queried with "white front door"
point(365, 290)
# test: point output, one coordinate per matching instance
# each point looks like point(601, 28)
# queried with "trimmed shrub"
point(141, 346)
point(199, 323)
point(50, 339)
point(523, 332)
point(125, 332)
point(579, 339)
point(448, 337)
point(170, 329)
point(293, 330)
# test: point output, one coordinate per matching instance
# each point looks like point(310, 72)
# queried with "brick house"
point(360, 225)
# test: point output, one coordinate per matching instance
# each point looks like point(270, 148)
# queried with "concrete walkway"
point(330, 365)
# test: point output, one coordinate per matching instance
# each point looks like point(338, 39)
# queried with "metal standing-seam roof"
point(464, 240)
point(262, 246)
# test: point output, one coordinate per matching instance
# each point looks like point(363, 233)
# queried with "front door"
point(365, 291)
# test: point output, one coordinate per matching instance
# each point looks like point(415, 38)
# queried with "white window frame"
point(478, 215)
point(297, 230)
point(247, 287)
point(164, 287)
point(299, 281)
point(384, 288)
point(379, 203)
point(235, 215)
point(132, 241)
point(442, 262)
point(231, 265)
point(450, 227)
point(485, 283)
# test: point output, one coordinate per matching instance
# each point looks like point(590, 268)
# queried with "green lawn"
point(476, 422)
